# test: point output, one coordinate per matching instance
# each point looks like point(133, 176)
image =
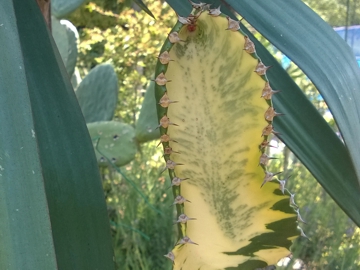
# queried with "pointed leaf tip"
point(141, 4)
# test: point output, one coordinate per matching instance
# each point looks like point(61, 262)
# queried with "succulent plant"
point(53, 212)
point(215, 115)
point(113, 142)
point(66, 38)
point(329, 63)
point(98, 93)
point(146, 125)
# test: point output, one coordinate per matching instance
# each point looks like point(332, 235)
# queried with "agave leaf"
point(141, 4)
point(52, 207)
point(313, 142)
point(220, 118)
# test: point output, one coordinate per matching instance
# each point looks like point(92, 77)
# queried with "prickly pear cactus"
point(113, 142)
point(146, 125)
point(216, 118)
point(98, 94)
point(61, 8)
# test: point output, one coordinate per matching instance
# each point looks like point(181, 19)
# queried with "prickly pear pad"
point(113, 142)
point(215, 117)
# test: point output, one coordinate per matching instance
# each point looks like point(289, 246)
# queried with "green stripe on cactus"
point(113, 141)
point(214, 137)
point(52, 207)
point(61, 8)
point(146, 126)
point(97, 94)
point(66, 38)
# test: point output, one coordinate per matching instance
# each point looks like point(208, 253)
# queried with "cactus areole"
point(216, 119)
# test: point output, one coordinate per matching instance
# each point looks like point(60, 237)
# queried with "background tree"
point(337, 12)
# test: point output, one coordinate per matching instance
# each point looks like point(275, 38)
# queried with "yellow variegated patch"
point(215, 120)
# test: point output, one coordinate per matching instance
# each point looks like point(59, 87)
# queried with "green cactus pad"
point(97, 94)
point(216, 115)
point(148, 121)
point(66, 38)
point(114, 141)
point(61, 8)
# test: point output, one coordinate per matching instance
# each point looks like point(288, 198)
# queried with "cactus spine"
point(215, 118)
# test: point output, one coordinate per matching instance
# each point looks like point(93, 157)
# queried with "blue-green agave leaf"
point(52, 207)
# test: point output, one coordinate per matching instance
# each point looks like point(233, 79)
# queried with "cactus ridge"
point(215, 128)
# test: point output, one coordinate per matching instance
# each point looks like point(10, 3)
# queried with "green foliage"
point(98, 93)
point(61, 8)
point(66, 38)
point(53, 213)
point(113, 142)
point(335, 12)
point(142, 230)
point(146, 126)
point(135, 193)
point(130, 42)
point(100, 13)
